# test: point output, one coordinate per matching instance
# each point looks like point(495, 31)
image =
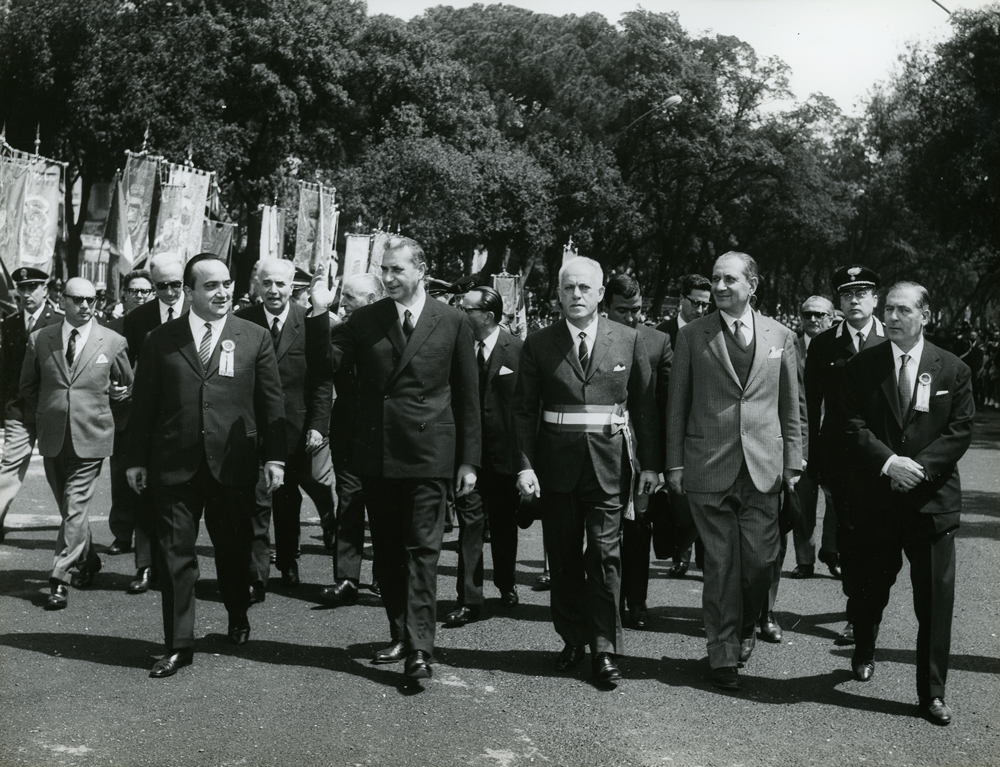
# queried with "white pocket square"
point(939, 393)
point(504, 371)
point(101, 359)
point(619, 368)
point(774, 353)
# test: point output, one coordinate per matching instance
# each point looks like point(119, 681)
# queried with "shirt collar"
point(590, 330)
point(197, 325)
point(34, 315)
point(681, 322)
point(178, 309)
point(82, 333)
point(490, 341)
point(415, 311)
point(915, 354)
point(282, 318)
point(746, 318)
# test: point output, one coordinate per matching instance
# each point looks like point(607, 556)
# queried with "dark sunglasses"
point(814, 315)
point(81, 300)
point(697, 304)
point(173, 285)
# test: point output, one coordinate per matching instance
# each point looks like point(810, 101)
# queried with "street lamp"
point(670, 103)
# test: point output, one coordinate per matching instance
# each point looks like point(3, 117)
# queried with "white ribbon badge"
point(227, 364)
point(923, 403)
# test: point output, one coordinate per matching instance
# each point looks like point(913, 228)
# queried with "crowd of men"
point(718, 431)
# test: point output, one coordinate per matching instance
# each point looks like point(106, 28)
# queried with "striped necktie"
point(584, 353)
point(71, 347)
point(205, 348)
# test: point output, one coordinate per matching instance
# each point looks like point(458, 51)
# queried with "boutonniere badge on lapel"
point(226, 362)
point(923, 403)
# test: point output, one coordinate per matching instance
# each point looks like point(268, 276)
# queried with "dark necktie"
point(738, 334)
point(584, 354)
point(71, 347)
point(481, 359)
point(904, 386)
point(170, 313)
point(205, 348)
point(275, 331)
point(861, 340)
point(29, 325)
point(407, 324)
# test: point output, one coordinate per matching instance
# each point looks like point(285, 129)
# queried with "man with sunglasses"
point(19, 438)
point(74, 372)
point(829, 457)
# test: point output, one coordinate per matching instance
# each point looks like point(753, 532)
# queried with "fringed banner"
point(316, 229)
point(139, 182)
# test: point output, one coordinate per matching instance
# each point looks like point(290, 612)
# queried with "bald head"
point(167, 271)
point(78, 301)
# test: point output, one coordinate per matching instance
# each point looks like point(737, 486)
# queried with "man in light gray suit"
point(733, 437)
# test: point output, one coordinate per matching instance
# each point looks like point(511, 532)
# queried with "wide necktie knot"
point(205, 348)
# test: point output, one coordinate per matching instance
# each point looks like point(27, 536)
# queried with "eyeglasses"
point(814, 315)
point(172, 285)
point(465, 308)
point(697, 304)
point(138, 291)
point(858, 294)
point(81, 300)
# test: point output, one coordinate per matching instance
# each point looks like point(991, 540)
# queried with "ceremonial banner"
point(356, 252)
point(379, 241)
point(316, 234)
point(170, 222)
point(272, 231)
point(118, 241)
point(139, 181)
point(217, 238)
point(43, 199)
point(13, 182)
point(510, 288)
point(195, 184)
point(94, 256)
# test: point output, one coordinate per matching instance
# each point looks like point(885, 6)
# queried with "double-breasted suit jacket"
point(498, 420)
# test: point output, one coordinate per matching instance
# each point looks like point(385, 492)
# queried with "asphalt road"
point(74, 688)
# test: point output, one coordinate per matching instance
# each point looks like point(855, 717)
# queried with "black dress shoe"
point(418, 665)
point(639, 616)
point(802, 571)
point(59, 597)
point(570, 657)
point(343, 593)
point(169, 663)
point(391, 654)
point(290, 574)
point(257, 593)
point(141, 583)
point(770, 631)
point(119, 547)
point(846, 637)
point(329, 539)
point(727, 677)
point(936, 710)
point(85, 576)
point(604, 668)
point(746, 649)
point(542, 583)
point(510, 598)
point(374, 589)
point(863, 670)
point(679, 570)
point(832, 561)
point(239, 633)
point(462, 616)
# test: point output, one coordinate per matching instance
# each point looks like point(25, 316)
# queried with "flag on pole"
point(13, 182)
point(379, 241)
point(118, 241)
point(272, 231)
point(217, 238)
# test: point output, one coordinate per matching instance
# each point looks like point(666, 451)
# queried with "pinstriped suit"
point(733, 443)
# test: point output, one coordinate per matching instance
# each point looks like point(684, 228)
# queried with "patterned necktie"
point(71, 347)
point(861, 340)
point(205, 349)
point(30, 324)
point(275, 331)
point(407, 324)
point(738, 334)
point(904, 386)
point(170, 313)
point(584, 354)
point(481, 360)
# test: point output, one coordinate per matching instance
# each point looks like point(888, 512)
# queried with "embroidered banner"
point(139, 182)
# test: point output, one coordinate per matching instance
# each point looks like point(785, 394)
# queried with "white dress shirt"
point(488, 343)
point(82, 334)
point(32, 319)
point(866, 331)
point(198, 329)
point(177, 308)
point(415, 310)
point(912, 366)
point(282, 318)
point(590, 331)
point(746, 328)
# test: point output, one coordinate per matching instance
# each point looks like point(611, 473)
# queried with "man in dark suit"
point(908, 408)
point(308, 391)
point(417, 428)
point(498, 355)
point(623, 303)
point(19, 439)
point(167, 272)
point(346, 533)
point(207, 409)
point(734, 439)
point(829, 352)
point(73, 373)
point(695, 302)
point(584, 382)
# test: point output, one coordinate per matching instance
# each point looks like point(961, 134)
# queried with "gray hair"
point(923, 297)
point(825, 301)
point(584, 261)
point(278, 264)
point(749, 264)
point(369, 284)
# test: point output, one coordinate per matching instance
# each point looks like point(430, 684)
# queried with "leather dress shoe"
point(462, 616)
point(59, 597)
point(391, 654)
point(679, 570)
point(770, 631)
point(570, 657)
point(239, 631)
point(257, 593)
point(802, 571)
point(85, 576)
point(863, 670)
point(846, 636)
point(726, 677)
point(604, 668)
point(418, 665)
point(510, 598)
point(542, 583)
point(746, 649)
point(639, 616)
point(290, 574)
point(141, 583)
point(832, 561)
point(343, 593)
point(119, 547)
point(169, 663)
point(329, 539)
point(375, 589)
point(935, 710)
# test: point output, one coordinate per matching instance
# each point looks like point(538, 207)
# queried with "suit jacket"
point(418, 400)
point(713, 423)
point(670, 328)
point(182, 415)
point(14, 343)
point(937, 439)
point(344, 412)
point(57, 398)
point(551, 377)
point(305, 381)
point(661, 355)
point(140, 321)
point(498, 418)
point(824, 382)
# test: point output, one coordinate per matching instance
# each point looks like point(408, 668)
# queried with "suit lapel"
point(88, 351)
point(762, 347)
point(717, 345)
point(496, 358)
point(602, 343)
point(566, 345)
point(230, 332)
point(428, 320)
point(930, 363)
point(56, 348)
point(293, 326)
point(888, 376)
point(184, 340)
point(390, 321)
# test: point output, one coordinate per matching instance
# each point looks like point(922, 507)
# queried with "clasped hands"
point(905, 474)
